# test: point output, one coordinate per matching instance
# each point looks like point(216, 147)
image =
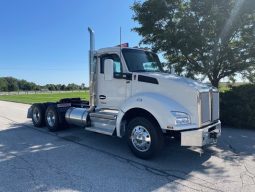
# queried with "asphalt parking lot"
point(33, 159)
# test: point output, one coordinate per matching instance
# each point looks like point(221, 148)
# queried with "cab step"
point(103, 122)
point(105, 131)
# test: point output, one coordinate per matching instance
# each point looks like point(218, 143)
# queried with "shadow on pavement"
point(73, 159)
point(241, 142)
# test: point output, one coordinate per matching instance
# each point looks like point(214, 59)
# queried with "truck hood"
point(179, 90)
point(163, 77)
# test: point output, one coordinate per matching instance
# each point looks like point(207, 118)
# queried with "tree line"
point(8, 84)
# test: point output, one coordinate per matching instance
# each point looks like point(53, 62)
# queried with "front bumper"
point(201, 137)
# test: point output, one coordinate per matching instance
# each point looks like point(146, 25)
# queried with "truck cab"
point(132, 97)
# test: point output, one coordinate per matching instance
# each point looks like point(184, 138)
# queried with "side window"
point(117, 66)
point(116, 61)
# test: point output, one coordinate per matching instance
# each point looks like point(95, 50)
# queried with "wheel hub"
point(141, 138)
point(36, 115)
point(51, 118)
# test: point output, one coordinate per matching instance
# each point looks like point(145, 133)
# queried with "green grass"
point(45, 97)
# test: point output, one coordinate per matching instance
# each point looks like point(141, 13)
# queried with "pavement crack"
point(250, 173)
point(30, 169)
point(169, 176)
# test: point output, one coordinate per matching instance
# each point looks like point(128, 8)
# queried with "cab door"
point(110, 93)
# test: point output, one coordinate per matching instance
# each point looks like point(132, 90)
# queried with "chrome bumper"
point(201, 137)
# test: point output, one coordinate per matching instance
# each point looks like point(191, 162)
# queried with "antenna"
point(120, 43)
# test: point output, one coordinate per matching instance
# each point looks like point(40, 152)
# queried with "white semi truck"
point(132, 97)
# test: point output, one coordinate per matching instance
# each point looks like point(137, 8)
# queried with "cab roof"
point(114, 50)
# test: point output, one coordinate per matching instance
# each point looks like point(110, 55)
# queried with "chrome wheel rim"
point(141, 138)
point(36, 115)
point(51, 119)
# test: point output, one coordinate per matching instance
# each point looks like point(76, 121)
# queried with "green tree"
point(212, 38)
point(25, 86)
point(83, 87)
point(249, 74)
point(72, 86)
point(12, 84)
point(51, 87)
point(3, 84)
point(58, 87)
point(63, 87)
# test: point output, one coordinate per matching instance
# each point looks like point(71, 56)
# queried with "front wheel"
point(145, 139)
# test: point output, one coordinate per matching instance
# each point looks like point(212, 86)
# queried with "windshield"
point(141, 61)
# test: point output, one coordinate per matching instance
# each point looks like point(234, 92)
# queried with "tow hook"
point(213, 135)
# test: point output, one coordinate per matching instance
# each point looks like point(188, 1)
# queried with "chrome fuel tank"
point(77, 116)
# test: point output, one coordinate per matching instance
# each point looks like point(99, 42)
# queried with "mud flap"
point(29, 112)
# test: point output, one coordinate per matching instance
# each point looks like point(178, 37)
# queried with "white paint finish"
point(115, 90)
point(172, 88)
point(118, 123)
point(158, 99)
point(179, 80)
point(175, 89)
point(158, 105)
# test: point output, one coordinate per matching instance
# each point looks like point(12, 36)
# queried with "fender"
point(158, 105)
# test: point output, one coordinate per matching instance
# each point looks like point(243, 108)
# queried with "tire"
point(38, 113)
point(139, 130)
point(52, 118)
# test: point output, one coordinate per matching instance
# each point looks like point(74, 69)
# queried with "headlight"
point(181, 118)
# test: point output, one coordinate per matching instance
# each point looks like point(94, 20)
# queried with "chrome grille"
point(209, 103)
point(215, 106)
point(205, 107)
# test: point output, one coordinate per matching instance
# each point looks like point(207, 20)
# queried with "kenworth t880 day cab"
point(132, 98)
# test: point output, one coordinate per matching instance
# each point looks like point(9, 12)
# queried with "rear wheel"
point(38, 115)
point(52, 118)
point(144, 138)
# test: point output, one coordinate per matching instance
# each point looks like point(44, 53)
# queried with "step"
point(105, 131)
point(103, 121)
point(103, 115)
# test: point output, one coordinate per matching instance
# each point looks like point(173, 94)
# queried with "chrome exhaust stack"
point(80, 116)
point(92, 69)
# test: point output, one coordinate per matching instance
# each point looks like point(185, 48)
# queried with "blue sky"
point(46, 41)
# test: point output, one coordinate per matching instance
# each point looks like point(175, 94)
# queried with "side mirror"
point(108, 69)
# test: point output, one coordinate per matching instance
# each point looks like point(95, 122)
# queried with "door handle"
point(102, 97)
